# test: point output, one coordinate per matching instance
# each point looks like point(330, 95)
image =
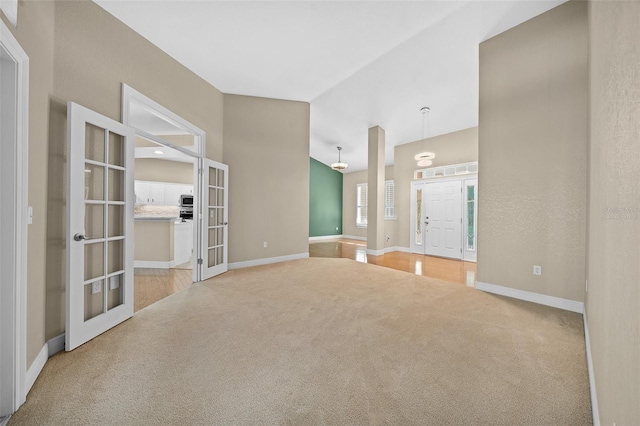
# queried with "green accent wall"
point(325, 200)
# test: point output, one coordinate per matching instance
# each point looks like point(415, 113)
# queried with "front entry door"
point(99, 224)
point(214, 219)
point(436, 218)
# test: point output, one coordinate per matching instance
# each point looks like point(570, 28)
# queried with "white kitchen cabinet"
point(186, 189)
point(160, 193)
point(143, 192)
point(172, 192)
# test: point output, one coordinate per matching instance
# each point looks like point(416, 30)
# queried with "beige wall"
point(613, 299)
point(532, 154)
point(452, 148)
point(35, 33)
point(94, 54)
point(164, 171)
point(267, 150)
point(154, 240)
point(78, 52)
point(349, 184)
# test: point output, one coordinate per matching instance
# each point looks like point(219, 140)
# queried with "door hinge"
point(199, 261)
point(199, 171)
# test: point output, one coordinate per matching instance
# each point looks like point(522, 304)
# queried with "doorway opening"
point(167, 146)
point(14, 80)
point(163, 220)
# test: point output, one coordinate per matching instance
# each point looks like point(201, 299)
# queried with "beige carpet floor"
point(323, 341)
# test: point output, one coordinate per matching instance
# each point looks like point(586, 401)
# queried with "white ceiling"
point(358, 63)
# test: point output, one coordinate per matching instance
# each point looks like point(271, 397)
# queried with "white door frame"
point(463, 179)
point(14, 193)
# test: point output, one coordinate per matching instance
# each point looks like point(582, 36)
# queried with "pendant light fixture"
point(425, 158)
point(339, 165)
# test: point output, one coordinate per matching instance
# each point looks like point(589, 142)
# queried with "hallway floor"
point(452, 270)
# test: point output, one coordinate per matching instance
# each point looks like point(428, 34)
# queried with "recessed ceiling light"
point(158, 152)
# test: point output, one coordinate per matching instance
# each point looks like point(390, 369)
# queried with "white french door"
point(436, 218)
point(99, 224)
point(213, 218)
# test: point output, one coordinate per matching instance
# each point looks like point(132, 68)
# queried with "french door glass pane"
point(93, 182)
point(93, 302)
point(116, 185)
point(94, 220)
point(94, 143)
point(116, 220)
point(116, 149)
point(114, 256)
point(93, 260)
point(115, 291)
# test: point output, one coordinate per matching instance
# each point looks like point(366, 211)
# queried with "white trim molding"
point(542, 299)
point(354, 237)
point(268, 260)
point(325, 238)
point(592, 379)
point(376, 252)
point(15, 168)
point(36, 367)
point(154, 264)
point(397, 248)
point(56, 345)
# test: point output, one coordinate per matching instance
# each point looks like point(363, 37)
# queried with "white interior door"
point(436, 218)
point(100, 200)
point(213, 219)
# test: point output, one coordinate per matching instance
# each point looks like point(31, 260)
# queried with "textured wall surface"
point(613, 299)
point(533, 154)
point(35, 33)
point(325, 200)
point(266, 145)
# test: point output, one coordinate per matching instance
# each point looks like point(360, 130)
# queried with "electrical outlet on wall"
point(336, 228)
point(96, 287)
point(264, 244)
point(537, 270)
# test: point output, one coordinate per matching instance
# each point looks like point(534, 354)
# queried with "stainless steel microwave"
point(186, 200)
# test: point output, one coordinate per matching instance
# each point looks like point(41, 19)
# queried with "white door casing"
point(100, 201)
point(14, 125)
point(214, 214)
point(436, 218)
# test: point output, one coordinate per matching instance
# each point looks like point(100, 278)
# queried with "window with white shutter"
point(389, 200)
point(361, 205)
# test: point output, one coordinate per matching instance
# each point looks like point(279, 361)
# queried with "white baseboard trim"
point(592, 378)
point(36, 367)
point(56, 345)
point(4, 421)
point(268, 260)
point(375, 252)
point(153, 264)
point(353, 237)
point(397, 248)
point(542, 299)
point(325, 237)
